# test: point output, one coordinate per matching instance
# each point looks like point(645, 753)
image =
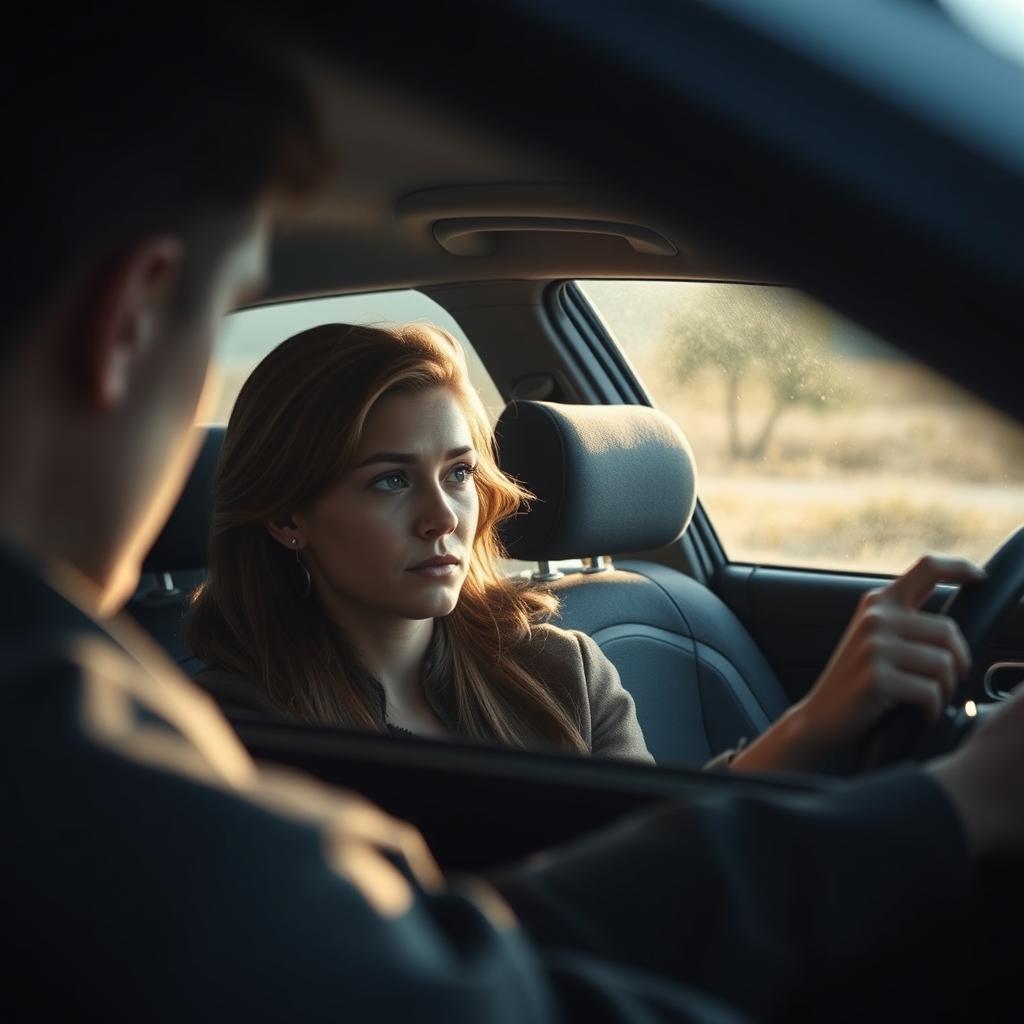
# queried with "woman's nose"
point(437, 517)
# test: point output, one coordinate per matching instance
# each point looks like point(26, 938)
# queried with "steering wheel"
point(904, 732)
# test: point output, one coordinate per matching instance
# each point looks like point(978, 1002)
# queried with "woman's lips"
point(437, 571)
point(437, 568)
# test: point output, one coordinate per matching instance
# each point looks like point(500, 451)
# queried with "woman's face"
point(393, 538)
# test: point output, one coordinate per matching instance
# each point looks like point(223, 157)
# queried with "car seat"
point(608, 479)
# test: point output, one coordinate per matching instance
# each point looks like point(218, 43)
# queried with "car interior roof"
point(407, 169)
point(805, 158)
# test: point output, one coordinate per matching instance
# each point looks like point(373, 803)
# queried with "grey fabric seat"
point(611, 479)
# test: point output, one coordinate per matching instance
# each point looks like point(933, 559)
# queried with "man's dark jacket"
point(150, 871)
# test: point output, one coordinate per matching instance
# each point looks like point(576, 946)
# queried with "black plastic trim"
point(593, 334)
point(581, 358)
point(480, 806)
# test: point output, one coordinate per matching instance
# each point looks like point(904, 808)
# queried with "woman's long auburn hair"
point(295, 427)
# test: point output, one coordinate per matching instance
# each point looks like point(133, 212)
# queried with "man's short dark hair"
point(116, 130)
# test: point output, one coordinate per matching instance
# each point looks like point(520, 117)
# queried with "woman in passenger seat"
point(355, 577)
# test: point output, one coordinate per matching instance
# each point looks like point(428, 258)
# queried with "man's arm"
point(141, 880)
point(768, 901)
point(151, 883)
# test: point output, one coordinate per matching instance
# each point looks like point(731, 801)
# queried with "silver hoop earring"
point(302, 578)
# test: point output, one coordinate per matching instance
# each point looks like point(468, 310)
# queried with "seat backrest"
point(177, 563)
point(610, 479)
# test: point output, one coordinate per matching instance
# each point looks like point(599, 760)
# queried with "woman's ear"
point(286, 532)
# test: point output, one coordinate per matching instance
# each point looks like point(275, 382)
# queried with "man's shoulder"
point(75, 698)
point(34, 614)
point(47, 645)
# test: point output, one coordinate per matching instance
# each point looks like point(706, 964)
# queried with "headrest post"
point(545, 574)
point(597, 563)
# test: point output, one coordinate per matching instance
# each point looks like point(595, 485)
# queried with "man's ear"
point(127, 309)
point(286, 532)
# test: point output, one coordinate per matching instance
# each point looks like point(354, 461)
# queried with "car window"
point(248, 335)
point(817, 444)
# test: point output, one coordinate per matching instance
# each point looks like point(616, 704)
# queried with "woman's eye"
point(461, 474)
point(391, 482)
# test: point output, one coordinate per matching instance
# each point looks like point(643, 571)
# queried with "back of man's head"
point(115, 130)
point(139, 170)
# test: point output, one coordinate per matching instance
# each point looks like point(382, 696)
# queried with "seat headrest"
point(607, 479)
point(185, 540)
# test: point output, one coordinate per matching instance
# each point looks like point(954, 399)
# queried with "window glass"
point(817, 445)
point(247, 336)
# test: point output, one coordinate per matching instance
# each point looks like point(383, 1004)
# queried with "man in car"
point(150, 869)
